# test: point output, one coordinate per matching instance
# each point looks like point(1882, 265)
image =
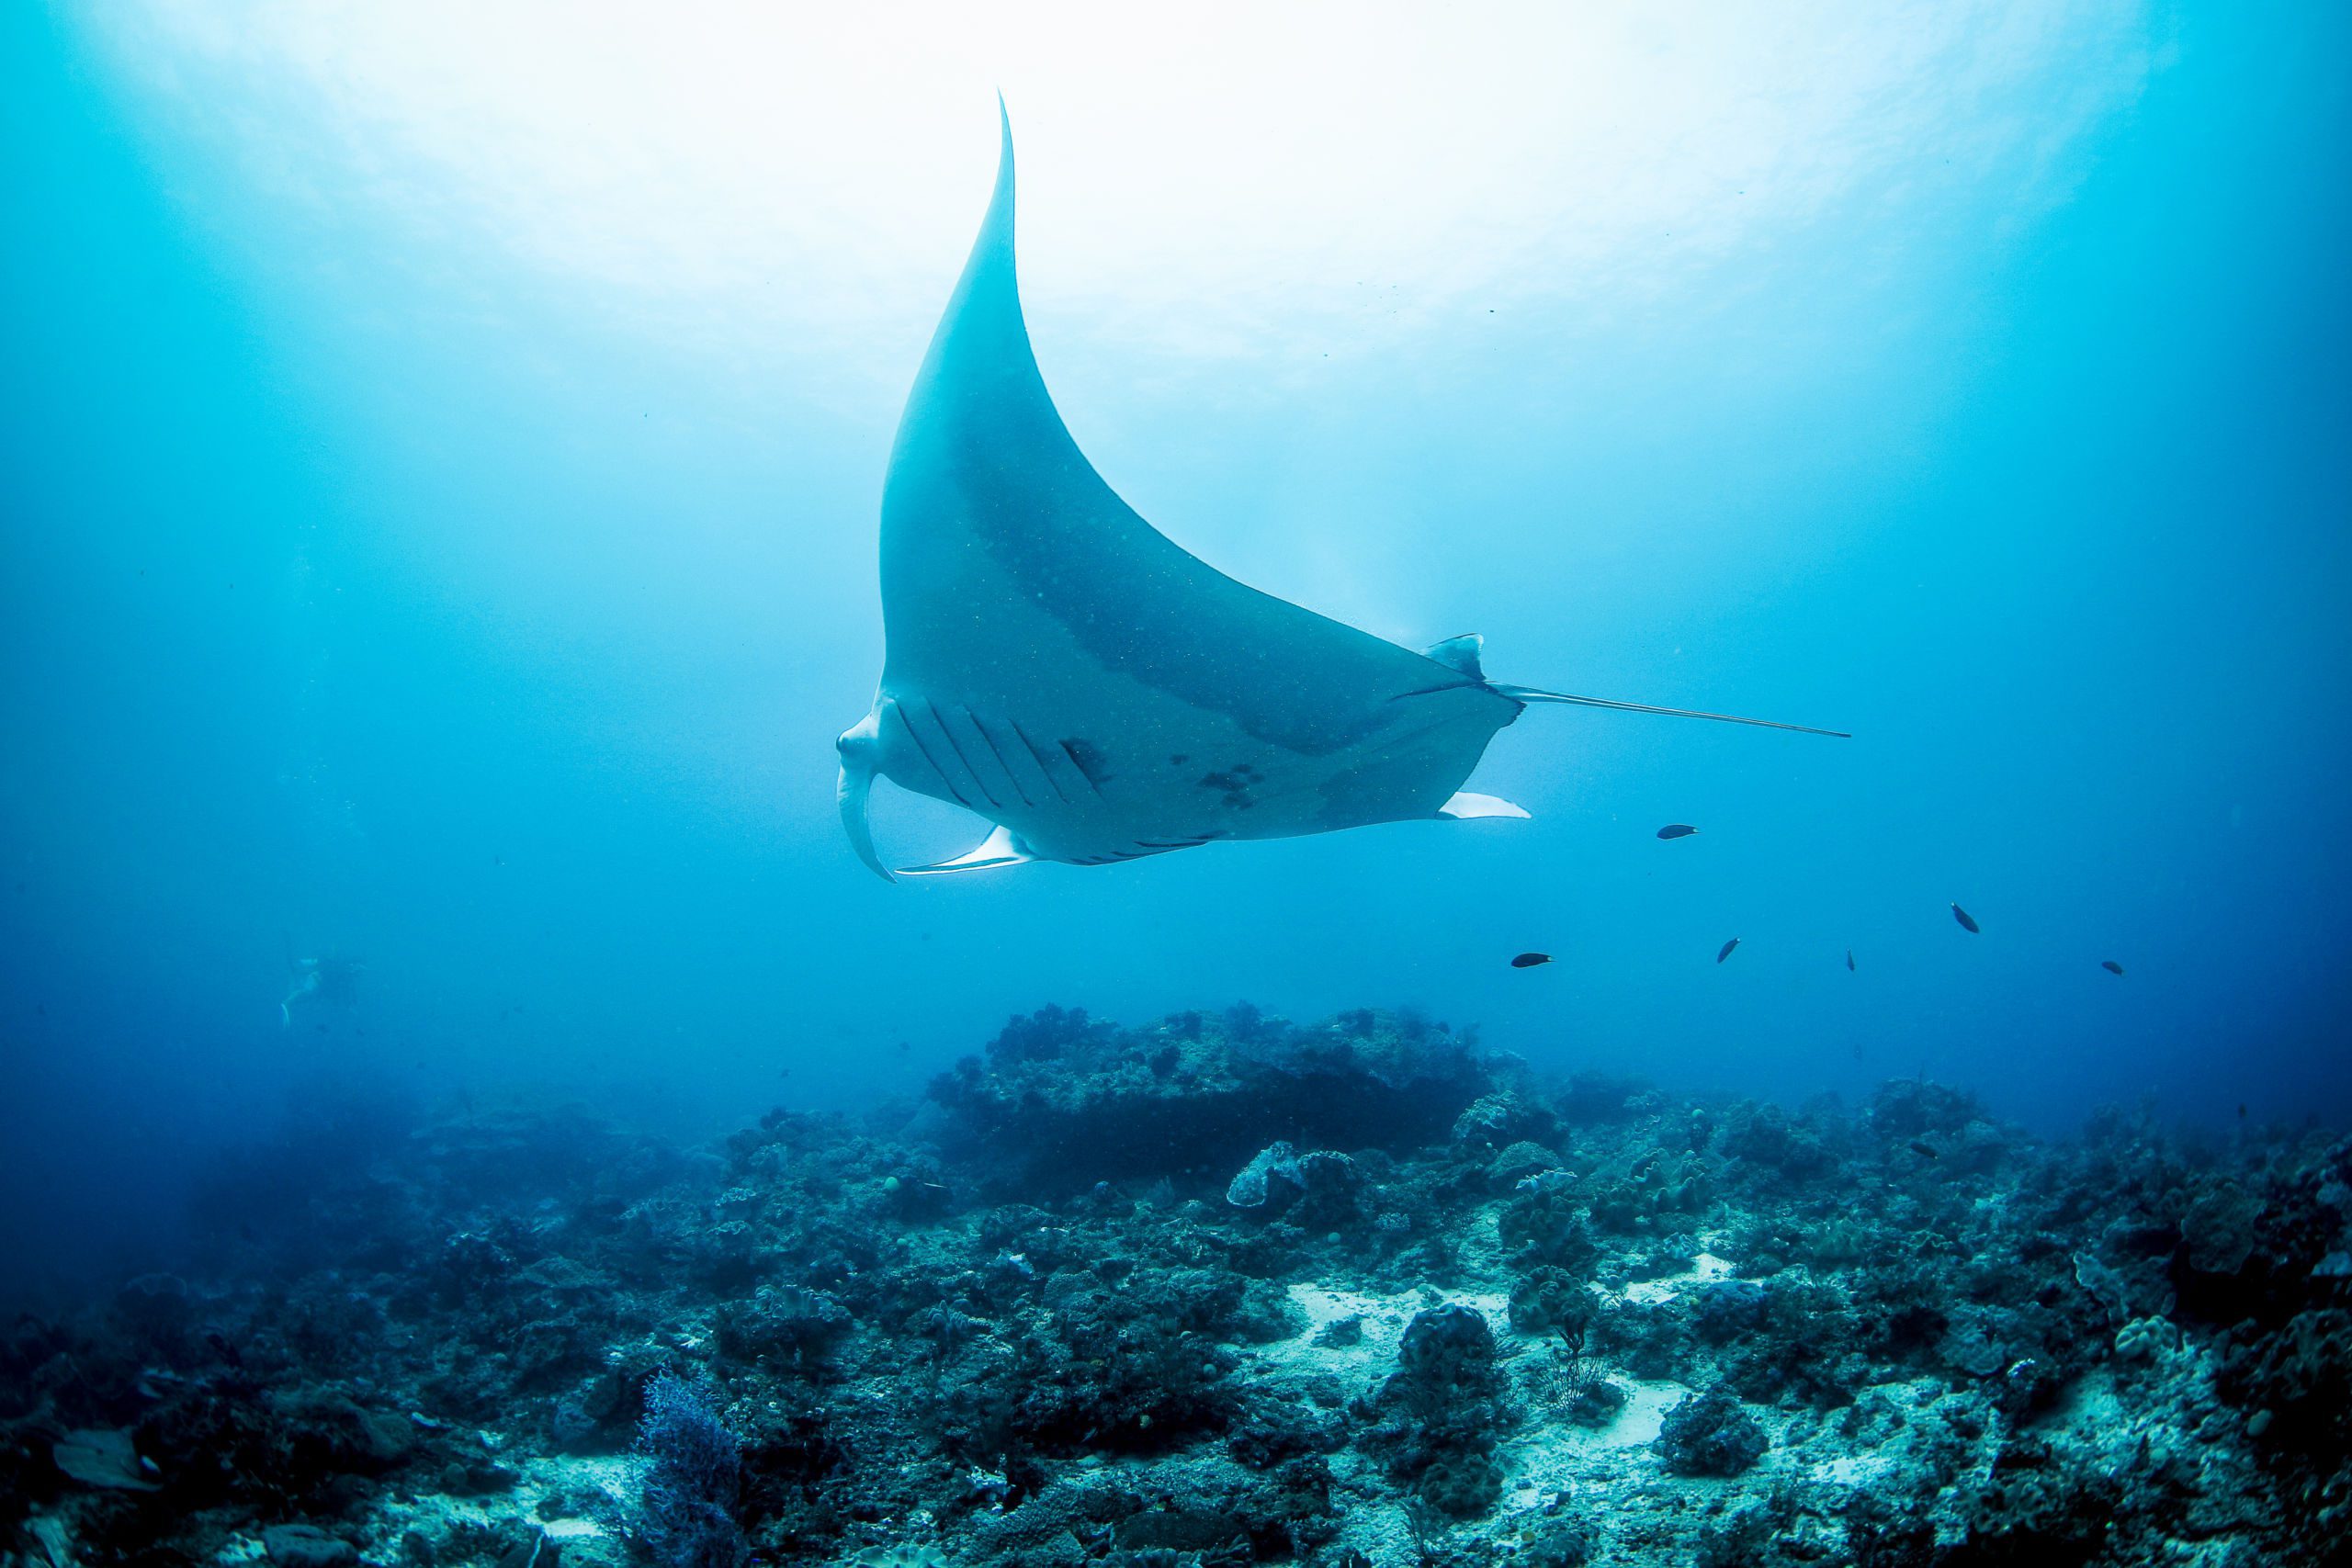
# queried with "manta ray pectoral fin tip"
point(999, 848)
point(1469, 806)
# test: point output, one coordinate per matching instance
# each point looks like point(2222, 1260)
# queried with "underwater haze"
point(514, 515)
point(441, 485)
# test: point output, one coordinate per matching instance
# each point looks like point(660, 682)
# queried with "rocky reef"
point(1220, 1291)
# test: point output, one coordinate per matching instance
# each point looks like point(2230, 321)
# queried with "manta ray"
point(1056, 664)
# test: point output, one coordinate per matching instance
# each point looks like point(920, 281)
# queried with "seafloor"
point(1221, 1291)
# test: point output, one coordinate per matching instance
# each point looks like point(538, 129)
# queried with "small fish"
point(1967, 921)
point(1921, 1146)
point(2111, 966)
point(1849, 961)
point(1677, 830)
point(1530, 960)
point(1725, 951)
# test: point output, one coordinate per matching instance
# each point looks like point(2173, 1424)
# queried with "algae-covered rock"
point(307, 1546)
point(1546, 1300)
point(1462, 1486)
point(2300, 1374)
point(1445, 1363)
point(2219, 1229)
point(1710, 1434)
point(901, 1554)
point(789, 1322)
point(1546, 1225)
point(104, 1458)
point(1065, 1102)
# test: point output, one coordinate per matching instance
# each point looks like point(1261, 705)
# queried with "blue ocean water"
point(392, 573)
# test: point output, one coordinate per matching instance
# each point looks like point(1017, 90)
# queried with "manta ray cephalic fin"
point(858, 749)
point(997, 848)
point(1468, 805)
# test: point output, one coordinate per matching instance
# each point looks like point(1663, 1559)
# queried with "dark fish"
point(1967, 921)
point(1677, 830)
point(1725, 951)
point(1921, 1146)
point(2111, 966)
point(1849, 961)
point(1530, 960)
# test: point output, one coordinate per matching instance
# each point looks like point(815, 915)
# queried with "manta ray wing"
point(1060, 667)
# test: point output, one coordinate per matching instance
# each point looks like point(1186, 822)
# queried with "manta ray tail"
point(997, 849)
point(1531, 695)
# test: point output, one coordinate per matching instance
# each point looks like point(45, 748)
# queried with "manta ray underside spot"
point(1058, 666)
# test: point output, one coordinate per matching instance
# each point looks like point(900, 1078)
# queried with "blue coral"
point(692, 1480)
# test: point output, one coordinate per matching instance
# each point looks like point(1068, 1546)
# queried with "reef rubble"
point(1218, 1291)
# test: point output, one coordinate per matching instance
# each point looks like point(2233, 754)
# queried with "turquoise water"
point(423, 549)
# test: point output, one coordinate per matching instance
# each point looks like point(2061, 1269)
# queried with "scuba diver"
point(325, 978)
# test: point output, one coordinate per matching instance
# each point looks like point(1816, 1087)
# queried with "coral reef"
point(1218, 1291)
